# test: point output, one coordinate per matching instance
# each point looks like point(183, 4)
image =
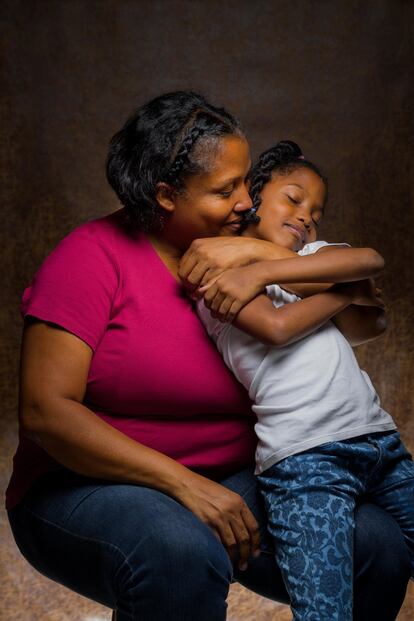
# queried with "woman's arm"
point(54, 371)
point(234, 288)
point(208, 257)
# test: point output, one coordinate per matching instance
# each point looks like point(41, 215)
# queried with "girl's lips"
point(296, 233)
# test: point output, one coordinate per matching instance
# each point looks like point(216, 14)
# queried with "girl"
point(324, 442)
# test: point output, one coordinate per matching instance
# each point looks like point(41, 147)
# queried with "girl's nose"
point(305, 219)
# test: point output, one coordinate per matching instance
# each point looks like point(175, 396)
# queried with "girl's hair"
point(283, 158)
point(158, 144)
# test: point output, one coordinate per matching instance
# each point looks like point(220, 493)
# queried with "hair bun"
point(288, 150)
point(281, 153)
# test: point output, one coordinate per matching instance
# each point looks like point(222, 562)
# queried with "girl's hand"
point(207, 258)
point(226, 294)
point(226, 513)
point(364, 293)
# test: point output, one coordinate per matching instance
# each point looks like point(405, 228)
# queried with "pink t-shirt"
point(155, 375)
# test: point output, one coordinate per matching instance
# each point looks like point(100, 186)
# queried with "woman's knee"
point(382, 565)
point(184, 550)
point(137, 547)
point(180, 572)
point(379, 543)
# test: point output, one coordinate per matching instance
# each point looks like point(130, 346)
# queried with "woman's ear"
point(165, 196)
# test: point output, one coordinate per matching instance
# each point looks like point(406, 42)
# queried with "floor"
point(25, 595)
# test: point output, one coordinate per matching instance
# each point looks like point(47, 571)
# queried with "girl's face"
point(291, 209)
point(211, 203)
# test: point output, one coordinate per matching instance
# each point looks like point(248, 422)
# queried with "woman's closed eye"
point(225, 192)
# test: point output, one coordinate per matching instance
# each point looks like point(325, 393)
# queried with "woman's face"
point(291, 209)
point(212, 203)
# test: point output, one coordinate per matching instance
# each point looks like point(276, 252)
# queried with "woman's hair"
point(282, 159)
point(166, 140)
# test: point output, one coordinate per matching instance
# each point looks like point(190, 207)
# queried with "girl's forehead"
point(299, 176)
point(302, 180)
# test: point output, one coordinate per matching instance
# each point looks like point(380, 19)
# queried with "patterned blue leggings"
point(310, 499)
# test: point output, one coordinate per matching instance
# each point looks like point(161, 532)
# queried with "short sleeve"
point(317, 245)
point(279, 296)
point(213, 326)
point(75, 287)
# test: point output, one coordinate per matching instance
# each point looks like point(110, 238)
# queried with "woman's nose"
point(244, 202)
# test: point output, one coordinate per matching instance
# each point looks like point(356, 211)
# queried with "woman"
point(133, 477)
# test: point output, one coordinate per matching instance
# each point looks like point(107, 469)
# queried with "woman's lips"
point(234, 225)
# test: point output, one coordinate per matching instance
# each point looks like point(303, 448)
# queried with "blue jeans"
point(310, 499)
point(139, 551)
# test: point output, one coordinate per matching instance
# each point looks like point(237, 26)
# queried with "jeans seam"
point(390, 486)
point(84, 538)
point(82, 500)
point(81, 537)
point(243, 495)
point(69, 532)
point(246, 492)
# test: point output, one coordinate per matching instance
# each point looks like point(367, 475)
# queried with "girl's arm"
point(207, 258)
point(342, 265)
point(361, 324)
point(234, 288)
point(281, 326)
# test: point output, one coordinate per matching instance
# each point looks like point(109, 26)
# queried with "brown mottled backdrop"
point(334, 75)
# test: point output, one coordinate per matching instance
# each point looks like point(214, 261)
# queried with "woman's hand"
point(226, 513)
point(54, 416)
point(226, 294)
point(207, 258)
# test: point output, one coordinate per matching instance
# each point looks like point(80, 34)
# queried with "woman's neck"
point(169, 254)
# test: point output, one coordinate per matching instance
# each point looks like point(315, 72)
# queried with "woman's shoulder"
point(103, 229)
point(79, 281)
point(111, 232)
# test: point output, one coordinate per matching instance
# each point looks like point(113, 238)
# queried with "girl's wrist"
point(344, 291)
point(262, 250)
point(268, 251)
point(258, 274)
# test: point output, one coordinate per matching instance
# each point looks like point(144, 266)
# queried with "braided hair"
point(168, 139)
point(283, 158)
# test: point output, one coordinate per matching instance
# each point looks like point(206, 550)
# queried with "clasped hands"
point(220, 271)
point(226, 272)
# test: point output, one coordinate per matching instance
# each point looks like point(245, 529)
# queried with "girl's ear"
point(165, 196)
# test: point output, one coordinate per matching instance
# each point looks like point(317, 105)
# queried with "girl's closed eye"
point(317, 216)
